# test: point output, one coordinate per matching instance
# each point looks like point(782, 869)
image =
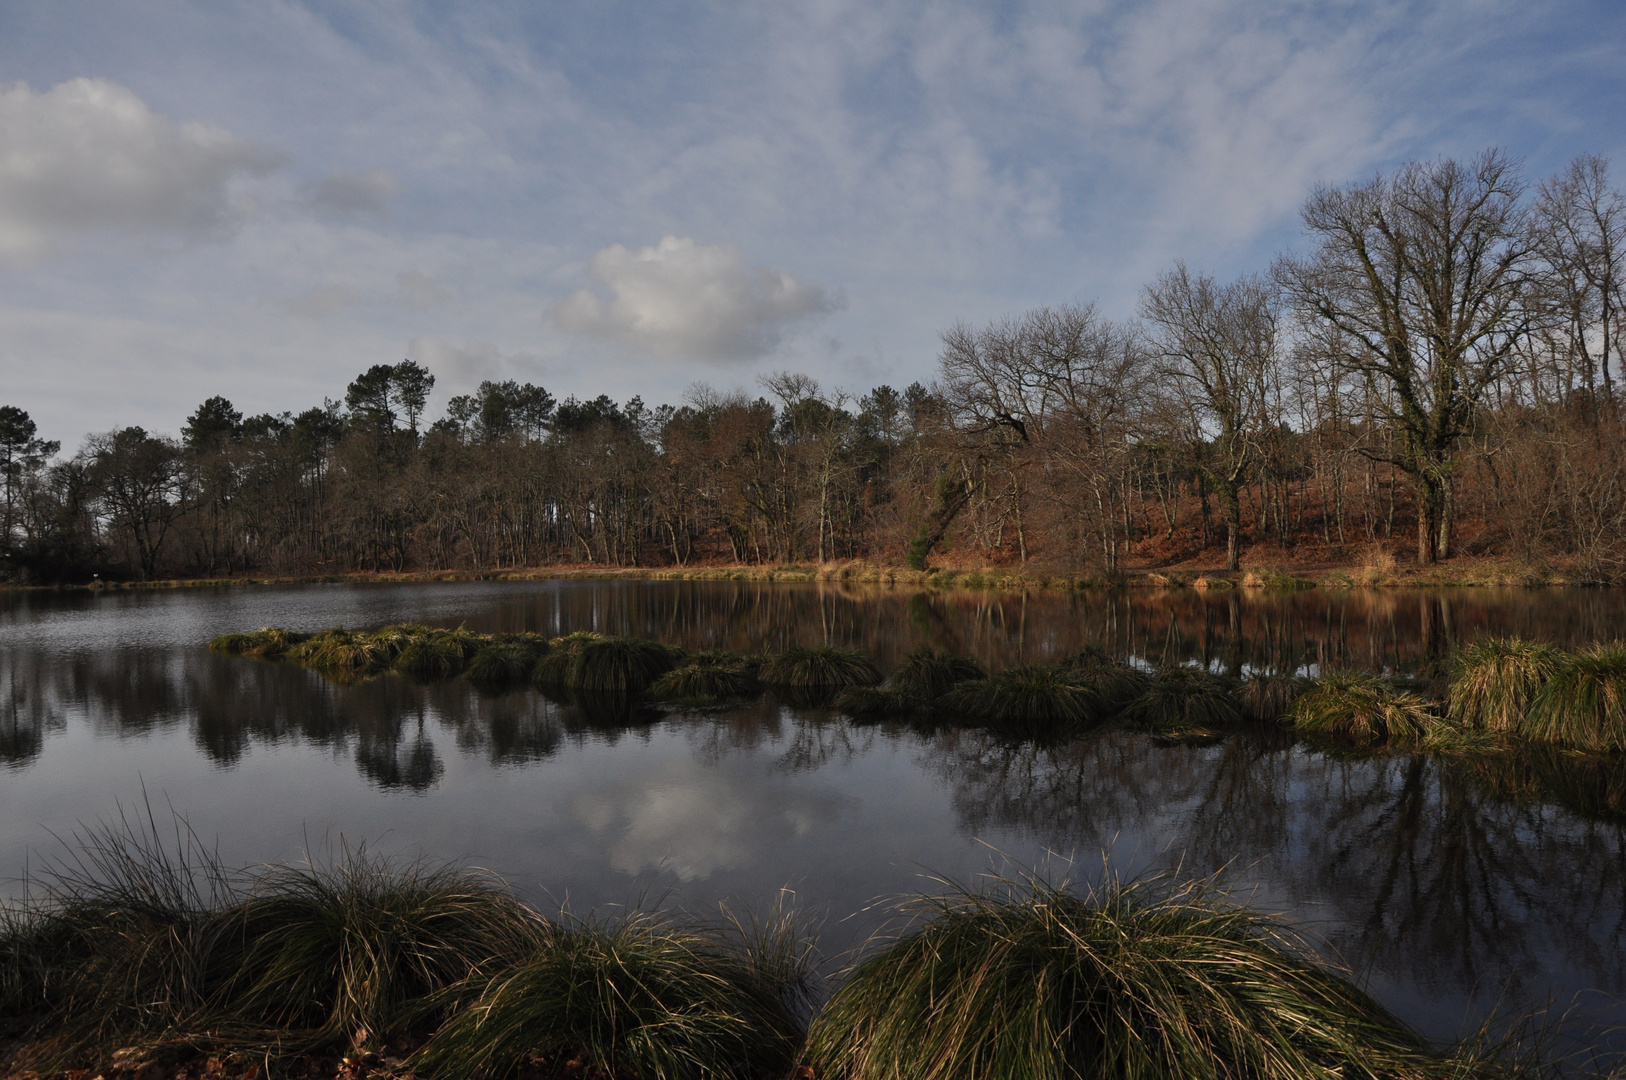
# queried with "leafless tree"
point(1426, 273)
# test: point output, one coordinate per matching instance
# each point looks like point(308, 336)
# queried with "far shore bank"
point(1455, 573)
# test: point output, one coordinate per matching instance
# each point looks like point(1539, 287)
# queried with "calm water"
point(1447, 887)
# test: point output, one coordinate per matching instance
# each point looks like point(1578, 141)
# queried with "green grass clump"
point(928, 674)
point(708, 678)
point(1125, 981)
point(1496, 682)
point(1116, 684)
point(637, 997)
point(1029, 700)
point(618, 665)
point(435, 654)
point(347, 954)
point(1583, 704)
point(339, 653)
point(1267, 696)
point(1361, 709)
point(508, 659)
point(822, 667)
point(1183, 699)
point(267, 643)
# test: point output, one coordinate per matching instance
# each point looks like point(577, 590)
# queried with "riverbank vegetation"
point(139, 956)
point(1227, 428)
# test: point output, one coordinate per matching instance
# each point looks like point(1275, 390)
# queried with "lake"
point(1447, 886)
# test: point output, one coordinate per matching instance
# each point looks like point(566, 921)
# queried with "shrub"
point(825, 667)
point(1495, 683)
point(1583, 704)
point(1124, 981)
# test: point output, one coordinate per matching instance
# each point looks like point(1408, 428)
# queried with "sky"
point(262, 200)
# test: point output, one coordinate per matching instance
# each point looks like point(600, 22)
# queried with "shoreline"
point(1465, 574)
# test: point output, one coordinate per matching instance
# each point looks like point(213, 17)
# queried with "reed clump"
point(1184, 699)
point(819, 667)
point(268, 642)
point(506, 660)
point(1116, 684)
point(1362, 709)
point(1495, 683)
point(599, 664)
point(1266, 696)
point(708, 679)
point(436, 654)
point(1583, 704)
point(1030, 700)
point(915, 686)
point(638, 996)
point(1126, 980)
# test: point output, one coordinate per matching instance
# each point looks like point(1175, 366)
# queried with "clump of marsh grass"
point(640, 996)
point(340, 653)
point(1360, 708)
point(1495, 683)
point(1125, 980)
point(436, 654)
point(1030, 700)
point(608, 665)
point(507, 659)
point(928, 673)
point(268, 642)
point(878, 703)
point(821, 667)
point(1116, 684)
point(1583, 704)
point(1183, 699)
point(708, 679)
point(347, 953)
point(1266, 696)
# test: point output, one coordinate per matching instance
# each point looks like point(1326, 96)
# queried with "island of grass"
point(1502, 693)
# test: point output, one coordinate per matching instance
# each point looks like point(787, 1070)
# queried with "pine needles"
point(1129, 980)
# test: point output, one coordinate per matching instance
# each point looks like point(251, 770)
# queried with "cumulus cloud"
point(88, 154)
point(347, 196)
point(684, 298)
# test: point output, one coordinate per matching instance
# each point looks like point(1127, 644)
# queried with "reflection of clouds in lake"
point(694, 824)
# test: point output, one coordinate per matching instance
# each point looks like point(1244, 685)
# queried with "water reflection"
point(1440, 879)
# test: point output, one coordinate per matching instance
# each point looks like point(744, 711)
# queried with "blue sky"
point(263, 199)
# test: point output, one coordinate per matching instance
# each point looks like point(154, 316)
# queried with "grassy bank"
point(1464, 572)
point(141, 960)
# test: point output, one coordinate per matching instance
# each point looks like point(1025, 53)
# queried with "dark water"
point(1448, 887)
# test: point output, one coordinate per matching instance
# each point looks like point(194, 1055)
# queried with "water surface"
point(1445, 886)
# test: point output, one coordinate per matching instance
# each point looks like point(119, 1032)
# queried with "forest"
point(1432, 377)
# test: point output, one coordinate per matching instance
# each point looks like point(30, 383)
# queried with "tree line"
point(1435, 374)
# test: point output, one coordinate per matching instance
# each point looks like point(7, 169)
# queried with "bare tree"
point(1579, 230)
point(1426, 274)
point(1217, 344)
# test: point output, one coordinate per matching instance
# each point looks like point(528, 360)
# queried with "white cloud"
point(684, 298)
point(346, 196)
point(88, 154)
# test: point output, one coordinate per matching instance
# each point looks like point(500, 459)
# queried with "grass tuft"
point(1116, 684)
point(1363, 710)
point(1127, 980)
point(1496, 682)
point(1183, 699)
point(640, 996)
point(507, 660)
point(928, 674)
point(1583, 704)
point(1267, 697)
point(1029, 701)
point(822, 667)
point(708, 678)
